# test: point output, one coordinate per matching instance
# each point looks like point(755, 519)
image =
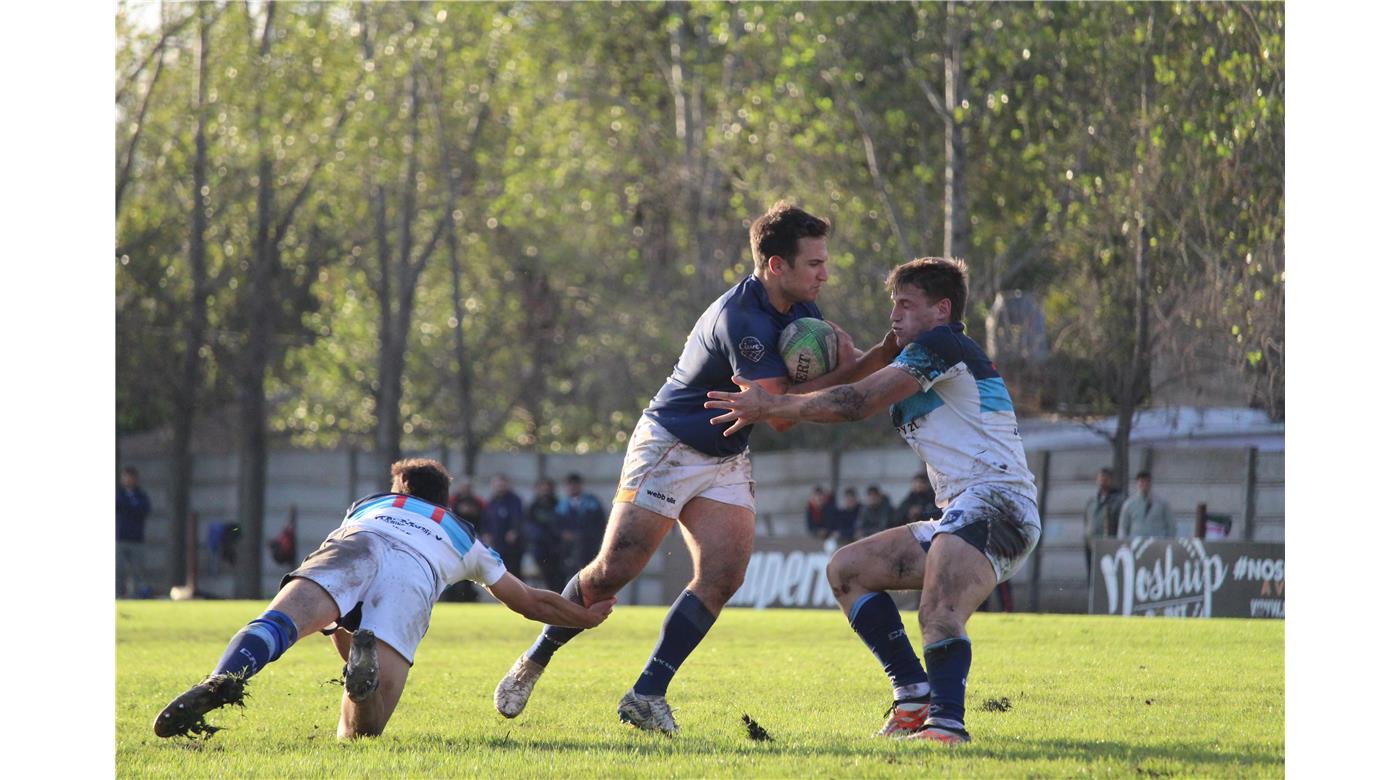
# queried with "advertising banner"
point(1187, 578)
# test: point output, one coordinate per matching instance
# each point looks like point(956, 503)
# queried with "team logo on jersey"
point(751, 348)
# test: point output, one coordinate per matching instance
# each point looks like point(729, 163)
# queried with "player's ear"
point(776, 265)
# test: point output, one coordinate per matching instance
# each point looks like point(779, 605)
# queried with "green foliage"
point(603, 202)
point(1096, 696)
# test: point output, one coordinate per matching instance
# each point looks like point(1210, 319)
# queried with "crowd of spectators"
point(562, 533)
point(852, 518)
point(559, 533)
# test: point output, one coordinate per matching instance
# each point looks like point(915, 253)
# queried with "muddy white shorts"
point(661, 473)
point(1002, 524)
point(376, 584)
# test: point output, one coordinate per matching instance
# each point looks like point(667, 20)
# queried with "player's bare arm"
point(777, 385)
point(843, 403)
point(548, 607)
point(854, 366)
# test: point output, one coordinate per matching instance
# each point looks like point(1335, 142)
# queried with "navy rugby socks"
point(553, 637)
point(875, 619)
point(948, 662)
point(685, 625)
point(258, 644)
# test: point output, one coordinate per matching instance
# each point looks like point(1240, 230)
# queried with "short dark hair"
point(938, 277)
point(131, 470)
point(872, 489)
point(422, 478)
point(1106, 470)
point(778, 230)
point(1144, 475)
point(574, 477)
point(851, 492)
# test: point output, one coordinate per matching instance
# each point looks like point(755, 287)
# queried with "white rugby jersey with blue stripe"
point(448, 543)
point(960, 422)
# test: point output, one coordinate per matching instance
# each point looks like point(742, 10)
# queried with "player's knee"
point(717, 586)
point(733, 581)
point(843, 570)
point(940, 617)
point(367, 730)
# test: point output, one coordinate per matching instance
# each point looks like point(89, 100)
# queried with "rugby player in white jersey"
point(680, 469)
point(372, 585)
point(948, 402)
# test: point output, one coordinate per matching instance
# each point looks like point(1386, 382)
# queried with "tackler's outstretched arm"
point(843, 403)
point(547, 606)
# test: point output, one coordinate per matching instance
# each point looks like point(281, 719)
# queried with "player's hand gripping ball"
point(809, 348)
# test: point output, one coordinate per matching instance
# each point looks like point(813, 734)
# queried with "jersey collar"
point(764, 302)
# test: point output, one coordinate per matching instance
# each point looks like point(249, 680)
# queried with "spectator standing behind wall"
point(547, 535)
point(920, 504)
point(876, 514)
point(1145, 514)
point(843, 518)
point(505, 519)
point(816, 511)
point(1101, 514)
point(132, 507)
point(467, 505)
point(585, 519)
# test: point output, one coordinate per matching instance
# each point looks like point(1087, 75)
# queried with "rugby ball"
point(809, 348)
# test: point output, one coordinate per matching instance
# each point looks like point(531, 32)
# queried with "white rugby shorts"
point(1002, 524)
point(376, 583)
point(661, 473)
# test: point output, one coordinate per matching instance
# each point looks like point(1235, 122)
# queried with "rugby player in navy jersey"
point(679, 468)
point(948, 402)
point(372, 585)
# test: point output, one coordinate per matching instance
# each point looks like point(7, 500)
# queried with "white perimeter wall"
point(321, 485)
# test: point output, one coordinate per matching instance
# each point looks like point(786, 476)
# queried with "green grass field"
point(1089, 696)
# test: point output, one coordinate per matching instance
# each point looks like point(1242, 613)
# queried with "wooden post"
point(1035, 559)
point(354, 465)
point(191, 559)
point(1200, 521)
point(1251, 487)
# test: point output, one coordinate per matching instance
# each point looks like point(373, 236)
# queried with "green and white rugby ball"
point(809, 348)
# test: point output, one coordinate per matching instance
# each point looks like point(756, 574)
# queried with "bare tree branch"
point(124, 178)
point(927, 89)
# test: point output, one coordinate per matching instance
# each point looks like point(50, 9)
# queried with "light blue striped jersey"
point(960, 422)
point(448, 543)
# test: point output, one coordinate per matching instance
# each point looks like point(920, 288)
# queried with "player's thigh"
point(632, 536)
point(958, 577)
point(308, 605)
point(720, 539)
point(890, 560)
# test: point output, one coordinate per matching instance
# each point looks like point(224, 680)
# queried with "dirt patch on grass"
point(757, 733)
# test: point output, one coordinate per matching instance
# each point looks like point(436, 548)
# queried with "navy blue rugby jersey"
point(738, 334)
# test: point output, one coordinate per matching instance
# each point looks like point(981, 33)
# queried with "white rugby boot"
point(648, 713)
point(514, 689)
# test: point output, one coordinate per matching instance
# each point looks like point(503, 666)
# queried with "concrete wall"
point(322, 484)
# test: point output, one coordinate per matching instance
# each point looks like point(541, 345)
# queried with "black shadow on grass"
point(1086, 751)
point(1078, 751)
point(658, 745)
